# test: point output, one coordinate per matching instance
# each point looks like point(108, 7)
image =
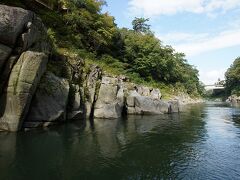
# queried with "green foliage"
point(81, 28)
point(233, 78)
point(139, 25)
point(94, 29)
point(146, 57)
point(13, 3)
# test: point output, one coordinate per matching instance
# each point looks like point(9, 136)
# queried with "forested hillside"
point(233, 78)
point(80, 27)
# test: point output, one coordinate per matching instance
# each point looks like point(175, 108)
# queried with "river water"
point(201, 143)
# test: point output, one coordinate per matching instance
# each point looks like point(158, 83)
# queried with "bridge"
point(215, 90)
point(214, 87)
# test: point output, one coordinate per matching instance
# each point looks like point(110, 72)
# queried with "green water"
point(201, 143)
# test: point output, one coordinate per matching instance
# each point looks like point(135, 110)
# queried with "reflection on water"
point(203, 142)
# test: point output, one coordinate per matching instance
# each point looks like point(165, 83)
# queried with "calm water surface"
point(201, 143)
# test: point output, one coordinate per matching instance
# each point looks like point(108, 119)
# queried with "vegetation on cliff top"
point(233, 78)
point(79, 26)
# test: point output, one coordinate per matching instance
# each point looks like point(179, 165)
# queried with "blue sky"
point(207, 31)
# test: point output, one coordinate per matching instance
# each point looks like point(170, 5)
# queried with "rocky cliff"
point(39, 88)
point(235, 99)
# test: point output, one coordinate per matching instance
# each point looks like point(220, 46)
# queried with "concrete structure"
point(214, 87)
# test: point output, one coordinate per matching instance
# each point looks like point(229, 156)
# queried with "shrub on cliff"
point(233, 78)
point(137, 53)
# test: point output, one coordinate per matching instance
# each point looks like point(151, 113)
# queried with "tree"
point(139, 25)
point(93, 29)
point(233, 77)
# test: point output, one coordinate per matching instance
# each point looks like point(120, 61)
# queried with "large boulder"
point(138, 104)
point(233, 99)
point(22, 85)
point(13, 21)
point(49, 104)
point(174, 106)
point(93, 80)
point(110, 100)
point(143, 90)
point(35, 37)
point(147, 105)
point(26, 33)
point(154, 93)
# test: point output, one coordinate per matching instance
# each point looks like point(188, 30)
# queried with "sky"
point(207, 31)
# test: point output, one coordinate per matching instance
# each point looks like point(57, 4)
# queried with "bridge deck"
point(213, 87)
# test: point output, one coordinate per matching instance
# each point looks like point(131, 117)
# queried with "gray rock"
point(75, 111)
point(131, 98)
point(174, 107)
point(146, 105)
point(22, 85)
point(110, 100)
point(77, 98)
point(35, 38)
point(137, 104)
point(233, 99)
point(50, 101)
point(143, 91)
point(108, 111)
point(13, 21)
point(91, 87)
point(155, 94)
point(109, 80)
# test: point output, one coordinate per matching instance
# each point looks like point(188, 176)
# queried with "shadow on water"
point(137, 147)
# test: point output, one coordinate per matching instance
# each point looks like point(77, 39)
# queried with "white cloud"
point(151, 8)
point(211, 77)
point(181, 37)
point(222, 40)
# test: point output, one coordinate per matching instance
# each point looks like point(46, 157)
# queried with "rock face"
point(39, 88)
point(93, 80)
point(146, 103)
point(24, 53)
point(110, 100)
point(49, 103)
point(76, 111)
point(115, 96)
point(22, 85)
point(174, 106)
point(233, 99)
point(13, 22)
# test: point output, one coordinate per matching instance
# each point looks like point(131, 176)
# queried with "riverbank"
point(40, 87)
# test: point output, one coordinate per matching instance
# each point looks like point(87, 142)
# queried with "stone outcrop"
point(49, 103)
point(13, 22)
point(91, 87)
point(117, 97)
point(110, 100)
point(76, 110)
point(145, 100)
point(233, 99)
point(174, 106)
point(39, 88)
point(24, 52)
point(22, 85)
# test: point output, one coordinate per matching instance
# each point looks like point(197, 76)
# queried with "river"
point(203, 142)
